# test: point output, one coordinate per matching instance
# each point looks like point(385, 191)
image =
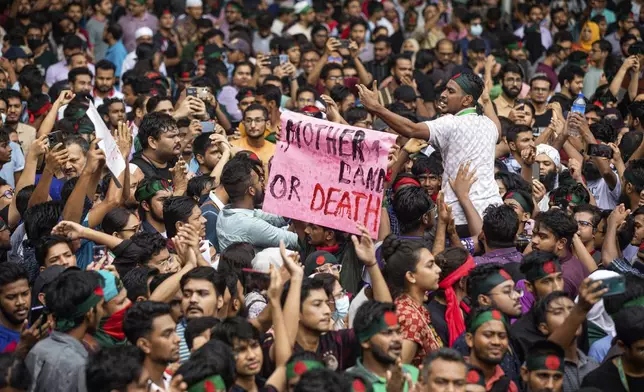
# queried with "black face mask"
point(34, 43)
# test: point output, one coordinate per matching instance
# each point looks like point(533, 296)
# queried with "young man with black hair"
point(182, 210)
point(155, 252)
point(243, 180)
point(543, 276)
point(151, 193)
point(104, 83)
point(161, 146)
point(571, 80)
point(55, 250)
point(15, 302)
point(554, 231)
point(117, 368)
point(518, 138)
point(137, 281)
point(599, 52)
point(624, 373)
point(256, 121)
point(198, 332)
point(487, 337)
point(444, 370)
point(376, 326)
point(270, 97)
point(588, 218)
point(511, 81)
point(544, 368)
point(26, 133)
point(429, 172)
point(57, 363)
point(500, 228)
point(213, 362)
point(523, 205)
point(149, 326)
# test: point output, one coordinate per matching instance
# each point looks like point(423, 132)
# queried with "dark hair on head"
point(6, 95)
point(384, 39)
point(318, 380)
point(213, 358)
point(12, 272)
point(40, 219)
point(106, 65)
point(450, 260)
point(153, 125)
point(14, 373)
point(43, 244)
point(355, 114)
point(595, 211)
point(635, 171)
point(196, 186)
point(424, 57)
point(136, 281)
point(68, 290)
point(604, 45)
point(115, 220)
point(427, 165)
point(257, 106)
point(22, 198)
point(627, 37)
point(478, 275)
point(515, 130)
point(410, 205)
point(444, 354)
point(629, 143)
point(510, 67)
point(541, 306)
point(157, 279)
point(604, 132)
point(629, 325)
point(113, 368)
point(244, 64)
point(338, 93)
point(154, 101)
point(324, 74)
point(152, 243)
point(542, 77)
point(636, 110)
point(569, 72)
point(197, 326)
point(559, 223)
point(235, 328)
point(236, 176)
point(358, 22)
point(401, 256)
point(75, 72)
point(308, 284)
point(115, 30)
point(237, 256)
point(245, 92)
point(139, 319)
point(31, 78)
point(500, 226)
point(536, 257)
point(370, 312)
point(201, 144)
point(205, 273)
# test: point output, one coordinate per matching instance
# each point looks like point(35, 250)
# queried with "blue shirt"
point(55, 187)
point(600, 348)
point(7, 336)
point(16, 164)
point(116, 54)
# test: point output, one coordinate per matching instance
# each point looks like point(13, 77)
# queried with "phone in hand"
point(199, 92)
point(535, 171)
point(35, 313)
point(274, 61)
point(207, 127)
point(54, 138)
point(600, 150)
point(615, 285)
point(99, 252)
point(344, 44)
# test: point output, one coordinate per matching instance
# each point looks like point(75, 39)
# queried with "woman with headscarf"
point(589, 34)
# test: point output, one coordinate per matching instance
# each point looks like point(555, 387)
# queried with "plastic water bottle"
point(578, 106)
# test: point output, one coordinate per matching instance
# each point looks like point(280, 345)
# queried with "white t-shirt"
point(460, 138)
point(606, 198)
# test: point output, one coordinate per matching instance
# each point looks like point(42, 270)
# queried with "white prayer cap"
point(143, 32)
point(194, 3)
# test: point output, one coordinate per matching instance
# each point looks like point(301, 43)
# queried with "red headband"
point(453, 315)
point(405, 181)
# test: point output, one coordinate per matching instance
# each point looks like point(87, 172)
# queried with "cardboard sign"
point(113, 158)
point(329, 174)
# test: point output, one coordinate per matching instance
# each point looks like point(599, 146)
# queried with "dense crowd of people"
point(136, 145)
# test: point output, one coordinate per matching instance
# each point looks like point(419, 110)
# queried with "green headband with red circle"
point(211, 384)
point(484, 317)
point(388, 320)
point(297, 368)
point(544, 362)
point(540, 271)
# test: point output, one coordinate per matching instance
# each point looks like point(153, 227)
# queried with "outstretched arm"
point(400, 125)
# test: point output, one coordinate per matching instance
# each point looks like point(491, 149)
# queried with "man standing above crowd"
point(136, 18)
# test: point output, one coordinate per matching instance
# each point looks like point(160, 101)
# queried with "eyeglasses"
point(329, 268)
point(250, 121)
point(134, 229)
point(164, 264)
point(584, 223)
point(339, 295)
point(8, 194)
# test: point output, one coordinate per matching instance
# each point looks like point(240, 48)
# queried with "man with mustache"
point(15, 299)
point(549, 165)
point(376, 326)
point(161, 146)
point(239, 221)
point(487, 337)
point(544, 369)
point(511, 82)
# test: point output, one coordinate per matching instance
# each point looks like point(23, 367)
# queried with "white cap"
point(263, 259)
point(551, 153)
point(301, 7)
point(143, 32)
point(194, 3)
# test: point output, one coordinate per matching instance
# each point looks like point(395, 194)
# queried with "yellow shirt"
point(503, 107)
point(265, 153)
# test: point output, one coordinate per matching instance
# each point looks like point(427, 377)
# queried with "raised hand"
point(276, 285)
point(574, 166)
point(618, 216)
point(291, 262)
point(369, 98)
point(528, 155)
point(364, 247)
point(29, 336)
point(392, 157)
point(71, 230)
point(65, 97)
point(414, 146)
point(39, 147)
point(179, 175)
point(464, 179)
point(95, 157)
point(590, 292)
point(123, 137)
point(56, 158)
point(538, 190)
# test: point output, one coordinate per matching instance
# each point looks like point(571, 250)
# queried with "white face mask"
point(341, 308)
point(476, 30)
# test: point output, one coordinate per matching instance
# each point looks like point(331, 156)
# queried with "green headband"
point(64, 324)
point(85, 128)
point(484, 317)
point(544, 362)
point(515, 45)
point(75, 116)
point(150, 189)
point(388, 320)
point(568, 198)
point(210, 384)
point(540, 271)
point(466, 85)
point(139, 2)
point(519, 199)
point(491, 282)
point(297, 368)
point(235, 6)
point(639, 301)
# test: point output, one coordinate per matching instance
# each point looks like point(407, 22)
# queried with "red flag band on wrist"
point(453, 314)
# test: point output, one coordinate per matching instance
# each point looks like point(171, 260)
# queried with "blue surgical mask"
point(476, 30)
point(341, 308)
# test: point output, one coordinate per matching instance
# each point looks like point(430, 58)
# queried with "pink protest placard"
point(329, 174)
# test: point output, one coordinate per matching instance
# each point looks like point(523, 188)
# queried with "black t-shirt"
point(437, 314)
point(606, 378)
point(541, 122)
point(524, 333)
point(149, 170)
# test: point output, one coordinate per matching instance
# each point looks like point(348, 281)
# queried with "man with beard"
point(571, 81)
point(104, 83)
point(149, 326)
point(256, 122)
point(549, 164)
point(376, 326)
point(443, 70)
point(599, 52)
point(243, 180)
point(57, 363)
point(553, 232)
point(26, 133)
point(15, 300)
point(379, 66)
point(401, 73)
point(625, 372)
point(487, 338)
point(151, 194)
point(161, 145)
point(511, 81)
point(560, 319)
point(454, 136)
point(544, 369)
point(115, 113)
